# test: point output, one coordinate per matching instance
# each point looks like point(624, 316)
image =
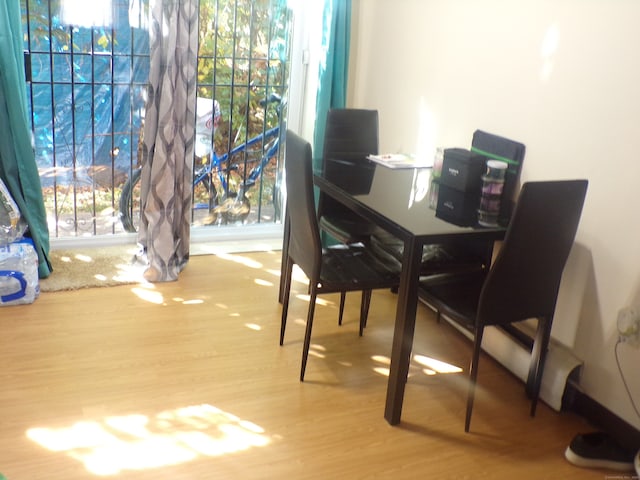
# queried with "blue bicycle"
point(220, 184)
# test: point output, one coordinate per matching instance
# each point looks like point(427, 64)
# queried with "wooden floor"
point(186, 380)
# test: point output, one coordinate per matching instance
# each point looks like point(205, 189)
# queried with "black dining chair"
point(339, 268)
point(523, 281)
point(350, 135)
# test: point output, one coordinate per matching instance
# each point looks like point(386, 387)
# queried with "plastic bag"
point(207, 120)
point(12, 226)
point(19, 283)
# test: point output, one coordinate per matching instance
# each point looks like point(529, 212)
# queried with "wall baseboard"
point(575, 400)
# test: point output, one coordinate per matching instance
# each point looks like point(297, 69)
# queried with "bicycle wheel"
point(234, 209)
point(205, 201)
point(130, 202)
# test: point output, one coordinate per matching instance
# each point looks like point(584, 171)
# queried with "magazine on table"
point(399, 160)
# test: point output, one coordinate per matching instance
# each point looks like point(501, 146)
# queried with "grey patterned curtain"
point(169, 132)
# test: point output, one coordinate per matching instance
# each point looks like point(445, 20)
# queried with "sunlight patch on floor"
point(436, 366)
point(319, 301)
point(135, 442)
point(147, 295)
point(195, 301)
point(428, 366)
point(317, 350)
point(242, 260)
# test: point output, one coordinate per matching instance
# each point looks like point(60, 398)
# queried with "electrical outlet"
point(629, 326)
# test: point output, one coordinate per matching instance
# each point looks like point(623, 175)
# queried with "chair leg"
point(343, 296)
point(473, 375)
point(538, 357)
point(307, 334)
point(286, 290)
point(285, 256)
point(364, 309)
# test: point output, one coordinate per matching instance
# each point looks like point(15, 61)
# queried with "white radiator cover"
point(559, 365)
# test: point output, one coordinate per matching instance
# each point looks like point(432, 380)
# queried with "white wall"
point(561, 76)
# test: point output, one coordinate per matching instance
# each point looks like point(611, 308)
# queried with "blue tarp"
point(99, 76)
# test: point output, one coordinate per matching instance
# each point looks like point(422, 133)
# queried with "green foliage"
point(42, 25)
point(46, 30)
point(243, 46)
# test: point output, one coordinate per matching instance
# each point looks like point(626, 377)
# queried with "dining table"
point(404, 203)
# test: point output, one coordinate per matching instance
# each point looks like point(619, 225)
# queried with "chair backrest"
point(305, 247)
point(495, 146)
point(524, 280)
point(350, 134)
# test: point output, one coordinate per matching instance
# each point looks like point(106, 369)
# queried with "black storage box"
point(460, 208)
point(462, 170)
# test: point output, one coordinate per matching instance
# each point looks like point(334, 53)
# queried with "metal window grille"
point(86, 92)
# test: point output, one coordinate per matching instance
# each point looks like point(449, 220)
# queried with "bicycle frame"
point(223, 202)
point(216, 162)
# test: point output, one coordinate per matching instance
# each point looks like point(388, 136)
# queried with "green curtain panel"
point(333, 75)
point(334, 67)
point(18, 168)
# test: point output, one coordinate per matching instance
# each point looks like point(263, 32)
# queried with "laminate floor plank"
point(186, 380)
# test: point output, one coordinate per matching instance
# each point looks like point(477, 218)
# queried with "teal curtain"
point(334, 67)
point(18, 168)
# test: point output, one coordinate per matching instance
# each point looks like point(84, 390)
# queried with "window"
point(87, 84)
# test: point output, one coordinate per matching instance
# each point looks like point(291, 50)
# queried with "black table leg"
point(403, 330)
